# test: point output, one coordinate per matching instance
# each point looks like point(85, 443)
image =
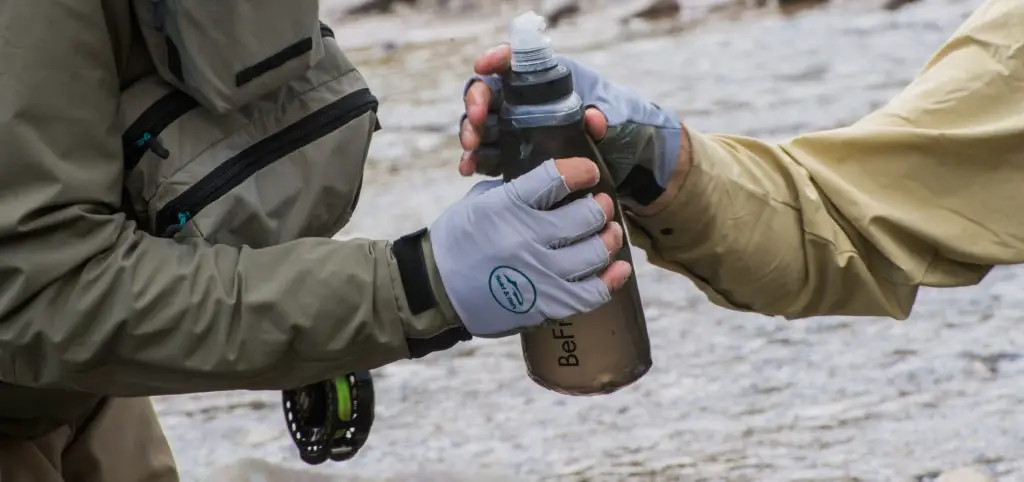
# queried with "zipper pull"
point(153, 144)
point(173, 229)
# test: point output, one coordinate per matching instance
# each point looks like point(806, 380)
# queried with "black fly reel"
point(330, 419)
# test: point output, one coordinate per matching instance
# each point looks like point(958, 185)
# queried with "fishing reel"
point(330, 419)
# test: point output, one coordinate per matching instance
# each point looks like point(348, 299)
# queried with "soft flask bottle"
point(541, 118)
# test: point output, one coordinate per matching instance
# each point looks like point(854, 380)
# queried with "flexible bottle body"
point(606, 349)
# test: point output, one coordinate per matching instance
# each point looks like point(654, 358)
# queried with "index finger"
point(494, 61)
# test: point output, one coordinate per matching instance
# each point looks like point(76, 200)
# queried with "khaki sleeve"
point(88, 302)
point(926, 191)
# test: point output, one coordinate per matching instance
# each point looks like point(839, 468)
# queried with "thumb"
point(596, 122)
point(494, 61)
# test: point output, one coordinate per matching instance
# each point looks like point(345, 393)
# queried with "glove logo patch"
point(512, 289)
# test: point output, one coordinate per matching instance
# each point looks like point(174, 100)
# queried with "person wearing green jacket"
point(96, 314)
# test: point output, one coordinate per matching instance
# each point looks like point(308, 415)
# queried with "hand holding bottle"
point(509, 261)
point(638, 140)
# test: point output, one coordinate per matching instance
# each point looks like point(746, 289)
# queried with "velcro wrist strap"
point(419, 294)
point(412, 266)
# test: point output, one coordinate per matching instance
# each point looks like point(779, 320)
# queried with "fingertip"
point(596, 122)
point(611, 236)
point(616, 228)
point(627, 270)
point(466, 164)
point(616, 275)
point(468, 137)
point(607, 205)
point(578, 172)
point(494, 61)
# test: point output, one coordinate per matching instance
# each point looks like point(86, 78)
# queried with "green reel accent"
point(330, 419)
point(344, 395)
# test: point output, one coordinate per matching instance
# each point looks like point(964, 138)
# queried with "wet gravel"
point(732, 396)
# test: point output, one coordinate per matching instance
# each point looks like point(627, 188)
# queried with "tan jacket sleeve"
point(927, 191)
point(88, 302)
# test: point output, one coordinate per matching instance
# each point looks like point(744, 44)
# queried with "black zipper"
point(232, 172)
point(143, 134)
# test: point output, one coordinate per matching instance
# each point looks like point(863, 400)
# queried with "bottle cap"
point(531, 48)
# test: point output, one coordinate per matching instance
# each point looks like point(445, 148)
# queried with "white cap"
point(531, 48)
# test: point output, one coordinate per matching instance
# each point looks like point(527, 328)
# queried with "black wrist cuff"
point(419, 294)
point(641, 186)
point(412, 266)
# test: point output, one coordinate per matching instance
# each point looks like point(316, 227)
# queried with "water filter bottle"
point(541, 118)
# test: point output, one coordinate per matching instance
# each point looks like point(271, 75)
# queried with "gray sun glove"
point(509, 262)
point(641, 147)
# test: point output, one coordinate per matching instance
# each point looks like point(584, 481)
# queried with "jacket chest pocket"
point(227, 53)
point(285, 166)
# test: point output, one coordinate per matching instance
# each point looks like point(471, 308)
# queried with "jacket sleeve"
point(88, 302)
point(926, 191)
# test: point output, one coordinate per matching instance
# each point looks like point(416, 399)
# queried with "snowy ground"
point(731, 397)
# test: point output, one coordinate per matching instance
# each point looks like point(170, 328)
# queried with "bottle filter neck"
point(533, 59)
point(531, 48)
